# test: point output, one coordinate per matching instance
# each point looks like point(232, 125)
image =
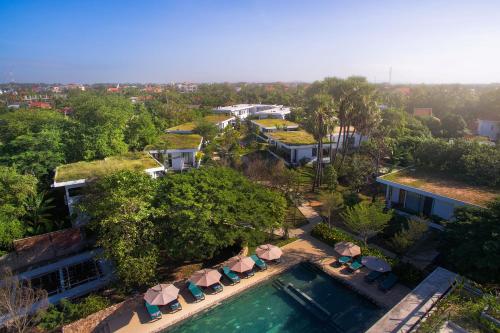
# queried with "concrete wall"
point(443, 209)
point(489, 128)
point(303, 153)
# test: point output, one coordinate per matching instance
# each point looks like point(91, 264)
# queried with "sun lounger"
point(355, 265)
point(153, 310)
point(258, 262)
point(196, 292)
point(373, 276)
point(216, 288)
point(175, 306)
point(230, 275)
point(388, 282)
point(248, 274)
point(344, 260)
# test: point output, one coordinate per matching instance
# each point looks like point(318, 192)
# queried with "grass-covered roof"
point(176, 141)
point(271, 123)
point(190, 126)
point(294, 138)
point(443, 185)
point(87, 170)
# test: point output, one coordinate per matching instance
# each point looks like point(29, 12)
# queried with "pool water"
point(268, 308)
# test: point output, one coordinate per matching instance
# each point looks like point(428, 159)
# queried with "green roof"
point(443, 185)
point(87, 170)
point(176, 141)
point(294, 138)
point(271, 122)
point(190, 126)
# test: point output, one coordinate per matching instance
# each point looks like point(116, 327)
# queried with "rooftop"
point(87, 170)
point(190, 126)
point(273, 123)
point(443, 185)
point(294, 138)
point(176, 141)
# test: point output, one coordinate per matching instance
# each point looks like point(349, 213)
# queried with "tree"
point(474, 234)
point(405, 238)
point(206, 210)
point(434, 125)
point(141, 130)
point(367, 220)
point(122, 216)
point(206, 129)
point(37, 214)
point(454, 126)
point(330, 178)
point(17, 300)
point(333, 203)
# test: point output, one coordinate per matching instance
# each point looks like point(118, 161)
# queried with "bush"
point(408, 274)
point(331, 236)
point(67, 312)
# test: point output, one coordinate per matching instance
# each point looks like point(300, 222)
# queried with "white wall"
point(303, 153)
point(395, 194)
point(443, 209)
point(489, 128)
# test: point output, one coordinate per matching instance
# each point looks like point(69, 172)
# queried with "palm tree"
point(37, 214)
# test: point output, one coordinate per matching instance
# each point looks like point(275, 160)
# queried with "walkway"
point(410, 310)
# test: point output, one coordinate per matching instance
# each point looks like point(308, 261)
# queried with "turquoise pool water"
point(268, 308)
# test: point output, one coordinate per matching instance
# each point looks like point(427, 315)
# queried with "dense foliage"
point(472, 243)
point(188, 216)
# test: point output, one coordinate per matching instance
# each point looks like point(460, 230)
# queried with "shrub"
point(405, 238)
point(408, 274)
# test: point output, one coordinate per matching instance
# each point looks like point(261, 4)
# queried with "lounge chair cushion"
point(258, 262)
point(230, 274)
point(373, 276)
point(195, 291)
point(153, 310)
point(344, 259)
point(355, 265)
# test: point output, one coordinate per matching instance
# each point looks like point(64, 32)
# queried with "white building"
point(177, 152)
point(187, 87)
point(295, 147)
point(426, 194)
point(74, 176)
point(242, 111)
point(489, 128)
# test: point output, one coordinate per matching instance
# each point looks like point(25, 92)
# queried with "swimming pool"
point(269, 308)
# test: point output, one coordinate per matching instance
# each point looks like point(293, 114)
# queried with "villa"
point(489, 128)
point(74, 176)
point(177, 152)
point(294, 147)
point(242, 111)
point(219, 120)
point(429, 194)
point(273, 125)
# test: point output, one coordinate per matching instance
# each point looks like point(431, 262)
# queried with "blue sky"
point(227, 41)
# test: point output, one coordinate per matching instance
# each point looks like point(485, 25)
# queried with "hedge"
point(332, 236)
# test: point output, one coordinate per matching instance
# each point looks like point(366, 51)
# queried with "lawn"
point(294, 138)
point(87, 170)
point(176, 141)
point(441, 184)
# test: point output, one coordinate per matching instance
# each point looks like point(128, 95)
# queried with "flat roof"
point(190, 126)
point(273, 123)
point(443, 185)
point(294, 138)
point(176, 141)
point(87, 170)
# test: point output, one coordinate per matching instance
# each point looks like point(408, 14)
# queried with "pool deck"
point(407, 313)
point(131, 316)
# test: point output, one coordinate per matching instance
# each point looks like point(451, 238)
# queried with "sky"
point(88, 41)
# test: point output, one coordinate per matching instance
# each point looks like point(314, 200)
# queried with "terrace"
point(172, 141)
point(95, 169)
point(441, 185)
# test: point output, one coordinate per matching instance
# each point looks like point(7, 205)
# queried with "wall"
point(443, 209)
point(488, 128)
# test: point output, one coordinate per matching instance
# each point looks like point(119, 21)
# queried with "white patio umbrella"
point(205, 277)
point(161, 294)
point(347, 249)
point(376, 264)
point(241, 264)
point(269, 252)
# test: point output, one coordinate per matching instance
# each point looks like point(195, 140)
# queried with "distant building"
point(187, 87)
point(40, 105)
point(243, 111)
point(489, 128)
point(422, 112)
point(114, 89)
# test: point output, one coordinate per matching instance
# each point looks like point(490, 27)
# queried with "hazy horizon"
point(449, 42)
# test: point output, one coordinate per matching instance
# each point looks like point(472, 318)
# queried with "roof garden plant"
point(175, 141)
